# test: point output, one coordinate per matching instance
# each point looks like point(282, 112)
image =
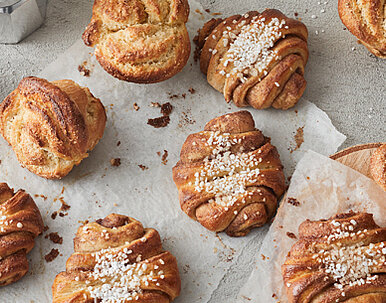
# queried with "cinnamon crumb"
point(55, 238)
point(51, 256)
point(293, 201)
point(159, 122)
point(291, 235)
point(299, 137)
point(64, 206)
point(164, 157)
point(41, 196)
point(136, 107)
point(115, 162)
point(192, 90)
point(84, 71)
point(118, 143)
point(174, 96)
point(143, 167)
point(166, 109)
point(155, 104)
point(53, 215)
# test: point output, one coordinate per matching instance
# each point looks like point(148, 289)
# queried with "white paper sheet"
point(150, 196)
point(323, 187)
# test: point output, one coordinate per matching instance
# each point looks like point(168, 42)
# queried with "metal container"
point(19, 18)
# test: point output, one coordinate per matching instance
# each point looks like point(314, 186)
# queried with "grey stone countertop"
point(344, 79)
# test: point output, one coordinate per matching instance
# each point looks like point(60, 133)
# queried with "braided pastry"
point(257, 59)
point(366, 19)
point(51, 125)
point(116, 260)
point(229, 176)
point(138, 40)
point(20, 224)
point(378, 166)
point(342, 259)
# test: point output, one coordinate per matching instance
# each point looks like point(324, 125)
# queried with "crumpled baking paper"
point(323, 187)
point(95, 189)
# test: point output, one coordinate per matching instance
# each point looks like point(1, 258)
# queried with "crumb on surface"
point(84, 71)
point(165, 157)
point(51, 256)
point(159, 122)
point(115, 162)
point(293, 201)
point(55, 238)
point(136, 107)
point(166, 109)
point(143, 167)
point(291, 235)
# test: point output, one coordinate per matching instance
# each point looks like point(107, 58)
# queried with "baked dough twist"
point(140, 41)
point(116, 260)
point(51, 125)
point(229, 176)
point(342, 259)
point(20, 224)
point(257, 59)
point(366, 19)
point(378, 166)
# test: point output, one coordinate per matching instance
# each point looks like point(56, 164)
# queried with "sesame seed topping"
point(19, 225)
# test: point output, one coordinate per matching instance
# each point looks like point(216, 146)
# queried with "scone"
point(366, 19)
point(229, 176)
point(51, 125)
point(341, 259)
point(256, 59)
point(116, 260)
point(20, 224)
point(140, 41)
point(378, 166)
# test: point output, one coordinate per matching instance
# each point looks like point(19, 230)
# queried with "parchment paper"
point(323, 187)
point(95, 188)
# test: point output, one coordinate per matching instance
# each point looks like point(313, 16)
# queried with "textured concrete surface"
point(344, 79)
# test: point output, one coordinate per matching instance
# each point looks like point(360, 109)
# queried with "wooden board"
point(357, 157)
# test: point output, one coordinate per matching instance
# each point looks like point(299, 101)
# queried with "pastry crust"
point(115, 259)
point(229, 176)
point(51, 125)
point(378, 166)
point(366, 20)
point(341, 259)
point(256, 59)
point(140, 41)
point(20, 224)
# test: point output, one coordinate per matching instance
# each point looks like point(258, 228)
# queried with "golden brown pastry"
point(51, 125)
point(140, 41)
point(256, 59)
point(366, 19)
point(116, 260)
point(342, 259)
point(20, 224)
point(378, 166)
point(229, 176)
